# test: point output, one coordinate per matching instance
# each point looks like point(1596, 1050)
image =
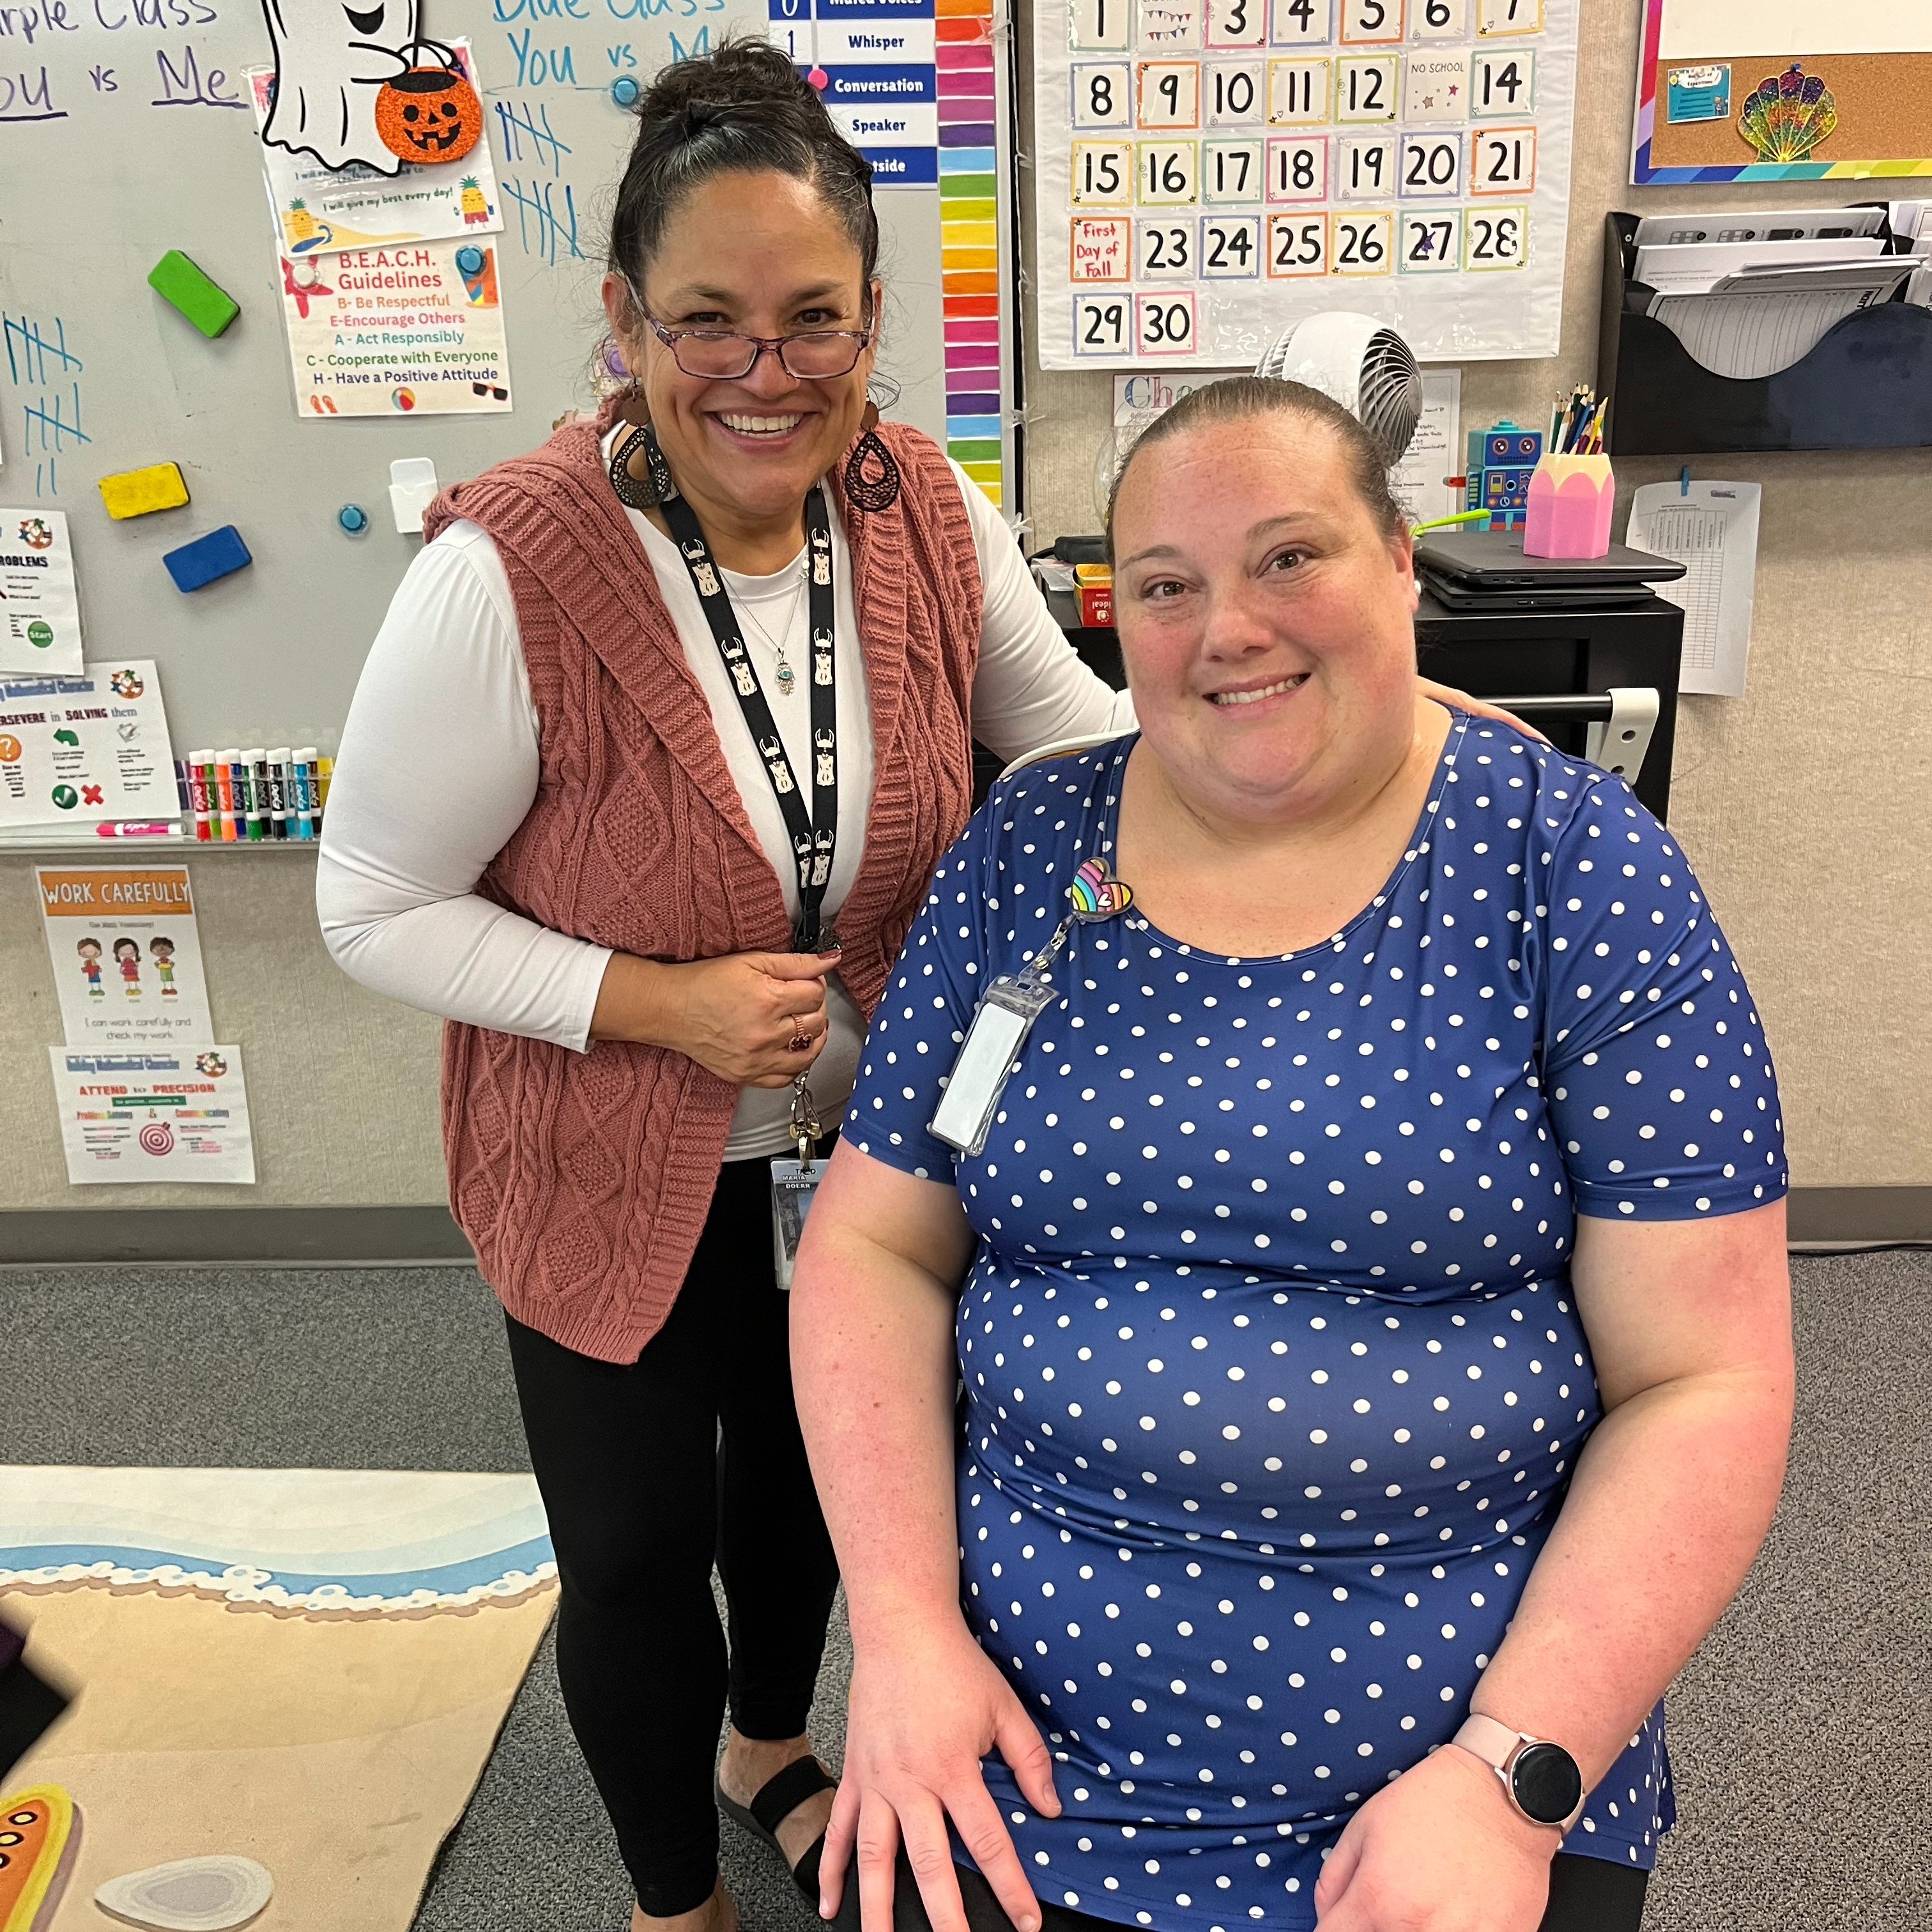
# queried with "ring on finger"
point(798, 1042)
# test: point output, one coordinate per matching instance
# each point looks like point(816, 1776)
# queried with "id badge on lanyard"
point(793, 1183)
point(1006, 1014)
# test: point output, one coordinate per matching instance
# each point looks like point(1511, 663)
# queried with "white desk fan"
point(1351, 358)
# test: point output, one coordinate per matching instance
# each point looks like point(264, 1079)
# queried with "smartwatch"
point(1539, 1778)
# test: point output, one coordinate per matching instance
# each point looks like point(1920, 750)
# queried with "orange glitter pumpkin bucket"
point(431, 112)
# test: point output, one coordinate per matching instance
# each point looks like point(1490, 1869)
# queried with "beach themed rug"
point(286, 1684)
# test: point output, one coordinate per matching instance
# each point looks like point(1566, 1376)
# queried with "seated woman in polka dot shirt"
point(1370, 1295)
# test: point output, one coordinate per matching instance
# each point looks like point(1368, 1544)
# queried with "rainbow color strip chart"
point(969, 229)
point(919, 87)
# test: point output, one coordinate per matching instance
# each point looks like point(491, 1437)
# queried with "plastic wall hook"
point(413, 487)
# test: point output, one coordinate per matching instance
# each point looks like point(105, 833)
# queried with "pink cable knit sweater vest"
point(584, 1180)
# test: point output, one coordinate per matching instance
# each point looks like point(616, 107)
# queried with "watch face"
point(1547, 1782)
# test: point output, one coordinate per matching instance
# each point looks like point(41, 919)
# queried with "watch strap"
point(1497, 1745)
point(1490, 1739)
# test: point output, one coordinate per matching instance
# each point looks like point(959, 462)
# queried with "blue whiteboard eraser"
point(215, 555)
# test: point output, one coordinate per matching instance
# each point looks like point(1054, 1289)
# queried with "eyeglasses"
point(720, 357)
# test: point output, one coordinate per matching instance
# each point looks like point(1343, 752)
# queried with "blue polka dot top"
point(1274, 1378)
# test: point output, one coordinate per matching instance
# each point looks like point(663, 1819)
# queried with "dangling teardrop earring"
point(638, 472)
point(879, 490)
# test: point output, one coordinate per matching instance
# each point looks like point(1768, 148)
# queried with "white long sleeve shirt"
point(439, 763)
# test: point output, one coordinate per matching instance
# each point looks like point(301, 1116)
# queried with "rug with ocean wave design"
point(302, 1668)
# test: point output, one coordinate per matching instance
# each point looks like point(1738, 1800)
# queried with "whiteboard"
point(1210, 170)
point(125, 132)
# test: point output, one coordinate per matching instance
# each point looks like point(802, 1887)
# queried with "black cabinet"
point(1564, 654)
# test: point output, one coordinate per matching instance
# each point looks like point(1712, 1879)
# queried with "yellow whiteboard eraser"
point(134, 493)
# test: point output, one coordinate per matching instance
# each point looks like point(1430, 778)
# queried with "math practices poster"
point(164, 1114)
point(126, 952)
point(1210, 171)
point(90, 747)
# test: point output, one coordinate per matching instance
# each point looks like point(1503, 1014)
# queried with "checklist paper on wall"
point(1711, 529)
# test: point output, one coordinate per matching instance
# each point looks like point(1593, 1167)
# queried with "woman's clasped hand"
point(1368, 1294)
point(756, 1019)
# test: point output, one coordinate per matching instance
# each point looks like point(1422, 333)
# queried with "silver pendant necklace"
point(784, 676)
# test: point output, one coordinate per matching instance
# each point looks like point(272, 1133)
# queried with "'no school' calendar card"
point(1210, 170)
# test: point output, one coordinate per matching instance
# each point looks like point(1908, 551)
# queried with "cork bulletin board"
point(1783, 90)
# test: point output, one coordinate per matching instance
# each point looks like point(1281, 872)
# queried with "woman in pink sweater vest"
point(705, 673)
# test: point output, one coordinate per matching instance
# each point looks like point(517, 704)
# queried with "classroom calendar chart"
point(1210, 170)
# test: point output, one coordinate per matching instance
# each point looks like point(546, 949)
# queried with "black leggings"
point(650, 1473)
point(1585, 1895)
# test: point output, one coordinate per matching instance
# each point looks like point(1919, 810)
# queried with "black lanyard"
point(814, 839)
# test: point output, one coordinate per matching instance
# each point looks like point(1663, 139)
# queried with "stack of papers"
point(1750, 293)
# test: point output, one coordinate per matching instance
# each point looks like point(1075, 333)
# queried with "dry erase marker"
point(278, 793)
point(135, 831)
point(284, 761)
point(308, 761)
point(325, 770)
point(184, 799)
point(197, 792)
point(257, 764)
point(301, 815)
point(237, 787)
point(311, 762)
point(208, 785)
point(225, 764)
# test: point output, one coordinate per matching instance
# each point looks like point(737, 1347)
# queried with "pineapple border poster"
point(317, 207)
point(1210, 171)
point(1782, 90)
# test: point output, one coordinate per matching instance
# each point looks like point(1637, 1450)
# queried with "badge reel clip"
point(1005, 1015)
point(795, 1182)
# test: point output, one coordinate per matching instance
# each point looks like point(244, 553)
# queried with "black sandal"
point(775, 1800)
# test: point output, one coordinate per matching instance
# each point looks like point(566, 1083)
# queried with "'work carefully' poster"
point(126, 952)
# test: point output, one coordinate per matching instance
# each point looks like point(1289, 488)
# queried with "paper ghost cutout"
point(331, 59)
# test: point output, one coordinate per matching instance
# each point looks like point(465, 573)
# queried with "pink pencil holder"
point(1570, 499)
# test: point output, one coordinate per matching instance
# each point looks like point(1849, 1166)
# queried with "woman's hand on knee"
point(924, 1709)
point(1439, 1847)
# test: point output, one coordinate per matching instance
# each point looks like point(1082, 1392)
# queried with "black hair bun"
point(742, 109)
point(692, 96)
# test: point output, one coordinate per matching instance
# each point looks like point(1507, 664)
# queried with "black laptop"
point(1483, 562)
point(1451, 594)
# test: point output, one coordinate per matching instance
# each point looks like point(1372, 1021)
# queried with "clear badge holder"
point(1004, 1018)
point(1006, 1014)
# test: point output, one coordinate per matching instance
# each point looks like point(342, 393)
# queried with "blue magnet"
point(624, 91)
point(352, 517)
point(469, 260)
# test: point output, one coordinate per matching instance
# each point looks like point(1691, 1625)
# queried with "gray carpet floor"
point(1801, 1731)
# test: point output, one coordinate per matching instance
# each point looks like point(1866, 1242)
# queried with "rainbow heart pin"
point(1096, 894)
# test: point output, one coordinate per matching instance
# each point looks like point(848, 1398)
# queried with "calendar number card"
point(1211, 170)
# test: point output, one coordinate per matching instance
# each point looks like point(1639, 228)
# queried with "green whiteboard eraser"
point(176, 280)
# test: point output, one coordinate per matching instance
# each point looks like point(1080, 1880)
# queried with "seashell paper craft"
point(1786, 115)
